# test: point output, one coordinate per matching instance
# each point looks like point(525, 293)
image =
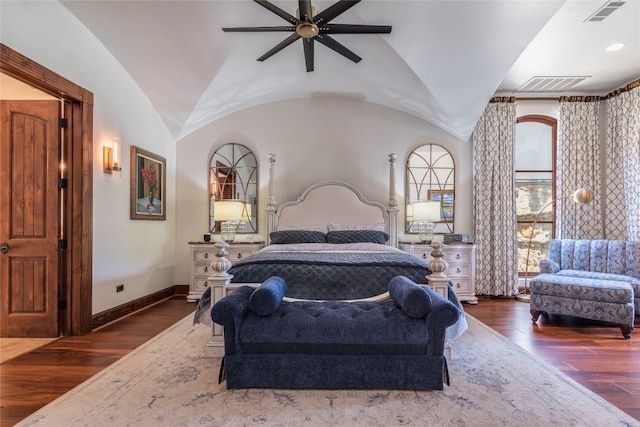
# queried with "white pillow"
point(338, 227)
point(317, 227)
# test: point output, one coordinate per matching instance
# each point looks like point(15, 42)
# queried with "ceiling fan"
point(313, 26)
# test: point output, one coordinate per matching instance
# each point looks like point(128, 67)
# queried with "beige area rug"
point(10, 348)
point(170, 382)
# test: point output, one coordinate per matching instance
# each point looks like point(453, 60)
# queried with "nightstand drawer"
point(454, 270)
point(457, 255)
point(426, 256)
point(200, 255)
point(200, 283)
point(202, 269)
point(236, 254)
point(462, 286)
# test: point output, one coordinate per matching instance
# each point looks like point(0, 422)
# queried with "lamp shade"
point(426, 211)
point(582, 195)
point(410, 211)
point(227, 210)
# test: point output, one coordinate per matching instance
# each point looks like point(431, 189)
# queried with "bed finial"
point(271, 203)
point(392, 181)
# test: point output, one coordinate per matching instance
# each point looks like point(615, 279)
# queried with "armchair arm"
point(548, 266)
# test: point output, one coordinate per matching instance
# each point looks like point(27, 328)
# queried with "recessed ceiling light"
point(615, 46)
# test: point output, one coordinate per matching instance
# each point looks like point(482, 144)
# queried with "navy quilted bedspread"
point(330, 275)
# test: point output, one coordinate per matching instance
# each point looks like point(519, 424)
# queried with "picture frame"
point(148, 185)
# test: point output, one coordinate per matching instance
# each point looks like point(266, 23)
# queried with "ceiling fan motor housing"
point(308, 30)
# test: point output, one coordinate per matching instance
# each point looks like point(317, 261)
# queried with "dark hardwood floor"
point(29, 382)
point(593, 354)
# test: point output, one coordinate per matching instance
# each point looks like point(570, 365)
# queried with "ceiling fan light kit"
point(311, 25)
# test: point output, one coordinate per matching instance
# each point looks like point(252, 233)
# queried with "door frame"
point(78, 260)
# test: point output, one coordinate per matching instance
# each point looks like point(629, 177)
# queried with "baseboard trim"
point(115, 313)
point(182, 290)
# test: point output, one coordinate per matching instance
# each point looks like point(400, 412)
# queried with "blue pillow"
point(297, 236)
point(414, 300)
point(357, 236)
point(265, 300)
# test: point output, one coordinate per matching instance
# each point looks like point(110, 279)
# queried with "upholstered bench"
point(595, 299)
point(393, 344)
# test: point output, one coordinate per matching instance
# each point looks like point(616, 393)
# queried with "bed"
point(331, 243)
point(331, 271)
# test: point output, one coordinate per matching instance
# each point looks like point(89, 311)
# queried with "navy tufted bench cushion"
point(334, 327)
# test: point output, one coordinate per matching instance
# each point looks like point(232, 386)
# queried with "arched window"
point(535, 163)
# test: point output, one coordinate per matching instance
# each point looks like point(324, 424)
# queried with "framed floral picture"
point(148, 185)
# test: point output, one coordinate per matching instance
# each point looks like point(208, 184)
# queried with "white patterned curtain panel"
point(578, 166)
point(494, 199)
point(622, 208)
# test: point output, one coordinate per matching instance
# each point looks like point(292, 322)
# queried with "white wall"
point(544, 108)
point(314, 139)
point(139, 254)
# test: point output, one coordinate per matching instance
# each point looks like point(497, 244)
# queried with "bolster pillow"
point(265, 300)
point(410, 296)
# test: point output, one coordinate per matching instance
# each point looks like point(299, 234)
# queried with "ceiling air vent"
point(604, 11)
point(551, 84)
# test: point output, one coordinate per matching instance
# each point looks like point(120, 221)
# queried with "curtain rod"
point(538, 99)
point(634, 84)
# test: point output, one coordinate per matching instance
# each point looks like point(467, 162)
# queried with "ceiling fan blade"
point(257, 29)
point(334, 10)
point(338, 47)
point(308, 53)
point(284, 43)
point(306, 13)
point(275, 9)
point(355, 29)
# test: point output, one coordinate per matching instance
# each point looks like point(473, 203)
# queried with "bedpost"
point(392, 181)
point(393, 202)
point(218, 282)
point(271, 202)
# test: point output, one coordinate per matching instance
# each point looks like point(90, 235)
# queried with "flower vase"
point(150, 198)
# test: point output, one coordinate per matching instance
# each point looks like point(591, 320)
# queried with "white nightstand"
point(462, 265)
point(202, 253)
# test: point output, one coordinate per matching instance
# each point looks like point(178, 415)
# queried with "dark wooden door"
point(29, 218)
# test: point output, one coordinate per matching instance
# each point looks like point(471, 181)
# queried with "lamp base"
point(425, 231)
point(228, 230)
point(523, 297)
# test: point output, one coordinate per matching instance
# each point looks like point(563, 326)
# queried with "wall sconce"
point(110, 157)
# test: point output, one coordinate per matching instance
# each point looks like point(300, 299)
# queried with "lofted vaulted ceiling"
point(442, 61)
